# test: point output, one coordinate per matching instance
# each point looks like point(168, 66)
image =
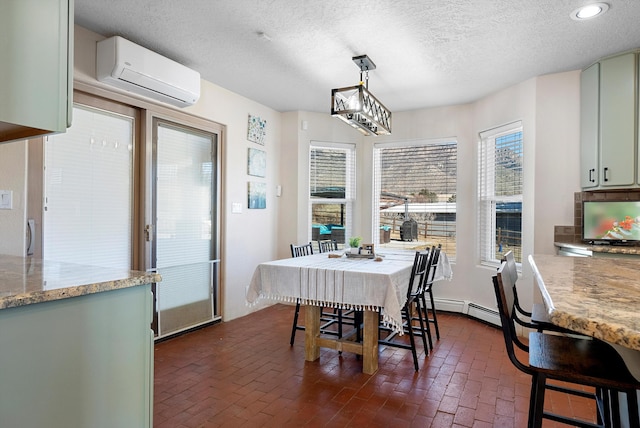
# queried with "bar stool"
point(575, 360)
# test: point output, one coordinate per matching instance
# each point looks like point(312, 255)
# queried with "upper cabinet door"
point(589, 118)
point(617, 121)
point(36, 76)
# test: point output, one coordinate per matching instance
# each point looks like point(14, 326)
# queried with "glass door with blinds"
point(184, 247)
point(88, 186)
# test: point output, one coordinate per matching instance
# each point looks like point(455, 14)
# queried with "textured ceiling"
point(428, 53)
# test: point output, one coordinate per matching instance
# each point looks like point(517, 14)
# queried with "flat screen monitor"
point(611, 221)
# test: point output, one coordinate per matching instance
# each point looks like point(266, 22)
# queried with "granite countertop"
point(594, 296)
point(612, 249)
point(26, 281)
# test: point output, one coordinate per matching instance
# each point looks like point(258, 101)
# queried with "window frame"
point(487, 199)
point(349, 199)
point(377, 180)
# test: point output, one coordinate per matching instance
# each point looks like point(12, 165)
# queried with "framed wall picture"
point(256, 129)
point(257, 195)
point(257, 163)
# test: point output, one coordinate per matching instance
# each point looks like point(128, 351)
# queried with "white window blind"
point(500, 181)
point(332, 185)
point(185, 236)
point(184, 198)
point(88, 190)
point(417, 179)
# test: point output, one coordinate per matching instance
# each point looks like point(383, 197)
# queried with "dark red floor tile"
point(243, 373)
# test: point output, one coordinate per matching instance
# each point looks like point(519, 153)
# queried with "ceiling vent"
point(125, 65)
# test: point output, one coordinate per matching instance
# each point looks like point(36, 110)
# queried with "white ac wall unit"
point(125, 65)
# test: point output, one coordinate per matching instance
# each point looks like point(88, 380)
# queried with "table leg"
point(370, 342)
point(311, 332)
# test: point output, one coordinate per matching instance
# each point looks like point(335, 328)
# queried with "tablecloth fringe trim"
point(386, 320)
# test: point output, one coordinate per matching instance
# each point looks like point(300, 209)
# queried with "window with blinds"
point(331, 190)
point(88, 184)
point(415, 191)
point(500, 193)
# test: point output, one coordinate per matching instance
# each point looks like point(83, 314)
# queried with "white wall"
point(13, 176)
point(321, 127)
point(557, 168)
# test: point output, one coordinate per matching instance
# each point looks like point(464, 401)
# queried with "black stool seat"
point(590, 361)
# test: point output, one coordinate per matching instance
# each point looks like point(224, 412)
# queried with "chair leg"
point(615, 407)
point(536, 403)
point(426, 318)
point(295, 323)
point(602, 406)
point(532, 401)
point(632, 406)
point(422, 319)
point(412, 340)
point(435, 317)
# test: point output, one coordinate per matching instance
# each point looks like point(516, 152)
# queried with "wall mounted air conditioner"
point(125, 65)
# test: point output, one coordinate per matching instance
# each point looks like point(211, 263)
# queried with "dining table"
point(375, 285)
point(594, 296)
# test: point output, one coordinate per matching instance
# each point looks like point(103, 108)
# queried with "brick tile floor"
point(243, 373)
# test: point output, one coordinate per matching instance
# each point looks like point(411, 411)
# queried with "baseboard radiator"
point(482, 313)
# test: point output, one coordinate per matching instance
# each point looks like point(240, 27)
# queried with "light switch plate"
point(6, 199)
point(236, 208)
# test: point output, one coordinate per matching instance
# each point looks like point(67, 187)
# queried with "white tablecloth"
point(346, 283)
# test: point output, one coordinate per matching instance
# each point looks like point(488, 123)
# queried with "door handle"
point(31, 235)
point(148, 232)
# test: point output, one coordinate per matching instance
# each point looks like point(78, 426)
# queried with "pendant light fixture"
point(358, 107)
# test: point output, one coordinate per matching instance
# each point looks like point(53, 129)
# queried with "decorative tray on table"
point(360, 256)
point(365, 252)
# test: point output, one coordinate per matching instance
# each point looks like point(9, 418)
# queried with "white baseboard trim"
point(482, 313)
point(449, 305)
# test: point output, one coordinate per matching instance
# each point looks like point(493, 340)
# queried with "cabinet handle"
point(591, 171)
point(605, 174)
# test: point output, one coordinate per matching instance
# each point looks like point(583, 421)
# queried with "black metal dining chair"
point(337, 315)
point(578, 361)
point(428, 290)
point(416, 280)
point(298, 251)
point(421, 312)
point(327, 245)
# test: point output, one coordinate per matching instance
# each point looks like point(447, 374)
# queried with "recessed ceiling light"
point(589, 11)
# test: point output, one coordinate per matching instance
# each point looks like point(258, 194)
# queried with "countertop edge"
point(34, 297)
point(611, 249)
point(607, 332)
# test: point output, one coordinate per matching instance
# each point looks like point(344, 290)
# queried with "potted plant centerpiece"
point(354, 243)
